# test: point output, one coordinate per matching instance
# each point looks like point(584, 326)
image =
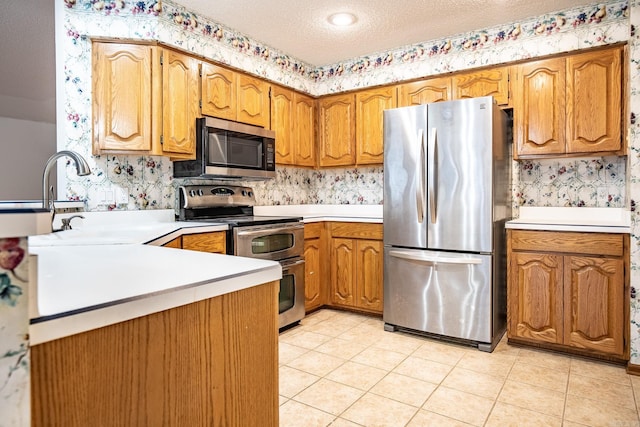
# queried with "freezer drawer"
point(441, 293)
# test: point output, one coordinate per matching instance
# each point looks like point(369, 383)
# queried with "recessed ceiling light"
point(342, 19)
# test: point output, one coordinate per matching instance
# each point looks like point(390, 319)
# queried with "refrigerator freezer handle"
point(433, 175)
point(420, 200)
point(415, 256)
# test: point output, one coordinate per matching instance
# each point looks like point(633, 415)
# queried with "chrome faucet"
point(82, 168)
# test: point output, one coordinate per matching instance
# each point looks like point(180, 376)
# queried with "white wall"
point(25, 147)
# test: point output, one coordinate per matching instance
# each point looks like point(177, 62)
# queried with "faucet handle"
point(66, 222)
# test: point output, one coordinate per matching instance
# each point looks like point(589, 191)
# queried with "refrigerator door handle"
point(420, 201)
point(433, 174)
point(433, 260)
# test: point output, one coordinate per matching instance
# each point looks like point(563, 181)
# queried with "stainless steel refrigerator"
point(447, 169)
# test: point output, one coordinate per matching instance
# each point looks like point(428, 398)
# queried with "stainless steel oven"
point(283, 242)
point(273, 238)
point(272, 241)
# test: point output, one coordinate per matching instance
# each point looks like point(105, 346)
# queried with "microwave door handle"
point(432, 259)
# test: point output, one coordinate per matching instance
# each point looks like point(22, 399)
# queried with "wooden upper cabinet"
point(304, 130)
point(492, 82)
point(121, 97)
point(292, 118)
point(424, 91)
point(539, 110)
point(180, 102)
point(145, 100)
point(593, 303)
point(253, 101)
point(282, 110)
point(594, 101)
point(218, 91)
point(369, 133)
point(337, 130)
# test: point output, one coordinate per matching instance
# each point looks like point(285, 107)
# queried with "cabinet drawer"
point(206, 242)
point(356, 230)
point(313, 230)
point(567, 242)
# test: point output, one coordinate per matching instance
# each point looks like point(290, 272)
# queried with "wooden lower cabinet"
point(343, 266)
point(213, 362)
point(315, 263)
point(214, 242)
point(569, 290)
point(356, 266)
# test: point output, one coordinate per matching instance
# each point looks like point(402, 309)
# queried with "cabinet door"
point(337, 131)
point(304, 135)
point(535, 297)
point(369, 134)
point(493, 82)
point(180, 103)
point(594, 303)
point(343, 272)
point(424, 92)
point(312, 290)
point(214, 242)
point(281, 122)
point(253, 101)
point(218, 92)
point(121, 97)
point(594, 101)
point(369, 275)
point(539, 113)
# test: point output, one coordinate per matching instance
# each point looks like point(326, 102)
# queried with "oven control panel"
point(205, 196)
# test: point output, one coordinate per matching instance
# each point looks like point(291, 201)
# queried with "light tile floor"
point(342, 369)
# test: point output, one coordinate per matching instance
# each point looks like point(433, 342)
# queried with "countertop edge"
point(567, 227)
point(147, 304)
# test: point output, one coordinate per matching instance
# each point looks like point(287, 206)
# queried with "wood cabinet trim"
point(603, 244)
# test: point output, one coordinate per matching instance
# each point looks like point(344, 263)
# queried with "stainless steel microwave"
point(230, 150)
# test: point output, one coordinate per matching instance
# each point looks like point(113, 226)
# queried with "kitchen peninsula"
point(139, 334)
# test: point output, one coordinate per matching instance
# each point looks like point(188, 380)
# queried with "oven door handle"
point(267, 231)
point(291, 263)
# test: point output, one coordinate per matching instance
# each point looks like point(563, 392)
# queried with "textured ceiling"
point(299, 28)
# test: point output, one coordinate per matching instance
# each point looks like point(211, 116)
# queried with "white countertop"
point(155, 227)
point(316, 213)
point(86, 287)
point(108, 269)
point(594, 220)
point(19, 222)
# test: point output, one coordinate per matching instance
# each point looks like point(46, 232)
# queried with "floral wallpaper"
point(147, 181)
point(14, 333)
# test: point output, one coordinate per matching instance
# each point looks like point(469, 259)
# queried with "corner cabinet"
point(315, 266)
point(356, 266)
point(145, 100)
point(569, 290)
point(180, 102)
point(570, 105)
point(292, 118)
